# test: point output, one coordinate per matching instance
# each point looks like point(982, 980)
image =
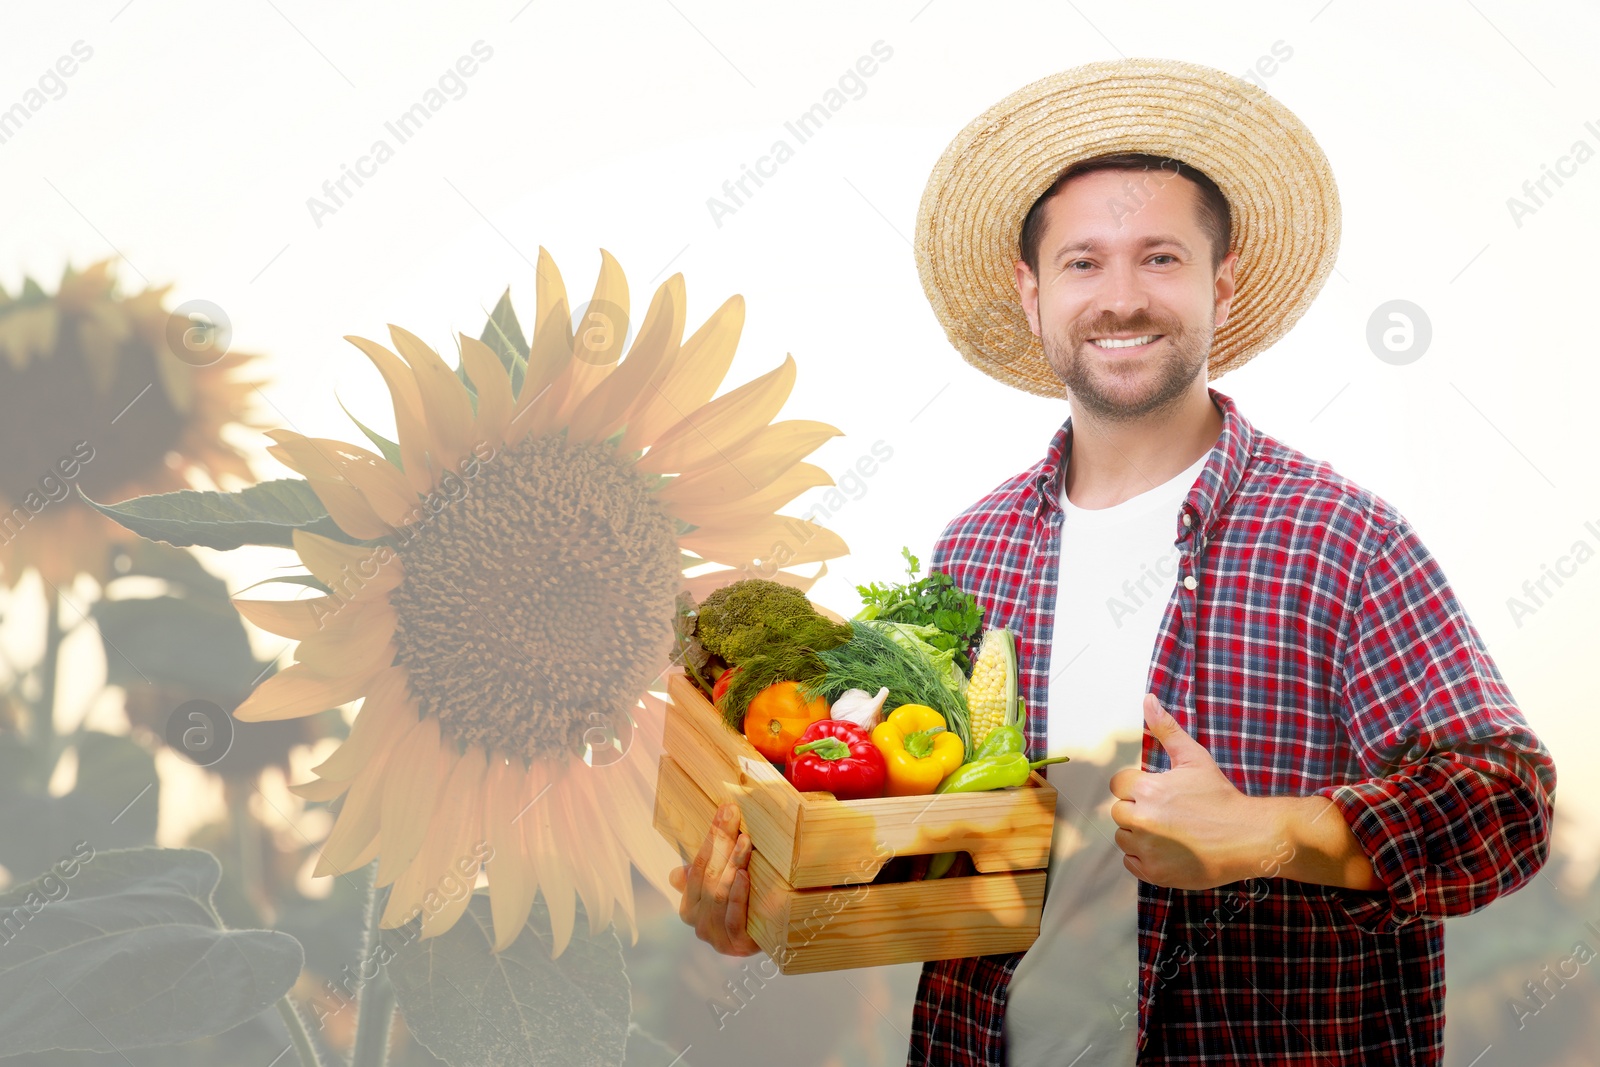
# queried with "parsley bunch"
point(933, 600)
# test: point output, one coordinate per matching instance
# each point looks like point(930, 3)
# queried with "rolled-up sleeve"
point(1458, 806)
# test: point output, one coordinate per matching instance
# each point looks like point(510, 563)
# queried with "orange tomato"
point(776, 718)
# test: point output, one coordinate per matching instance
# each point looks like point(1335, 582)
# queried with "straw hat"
point(1281, 192)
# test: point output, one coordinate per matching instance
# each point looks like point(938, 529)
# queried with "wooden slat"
point(907, 922)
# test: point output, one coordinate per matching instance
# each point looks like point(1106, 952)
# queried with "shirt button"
point(1188, 520)
point(1189, 582)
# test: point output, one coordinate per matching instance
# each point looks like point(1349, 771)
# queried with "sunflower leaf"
point(310, 581)
point(390, 450)
point(115, 950)
point(113, 805)
point(189, 641)
point(521, 1007)
point(503, 333)
point(264, 514)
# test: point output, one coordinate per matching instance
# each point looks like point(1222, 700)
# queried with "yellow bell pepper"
point(919, 750)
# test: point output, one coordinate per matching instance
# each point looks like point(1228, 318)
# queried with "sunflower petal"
point(715, 430)
point(760, 461)
point(409, 791)
point(351, 571)
point(763, 541)
point(386, 491)
point(357, 825)
point(322, 789)
point(697, 369)
point(765, 501)
point(387, 714)
point(445, 404)
point(345, 504)
point(647, 850)
point(549, 352)
point(493, 387)
point(603, 411)
point(598, 338)
point(551, 346)
point(382, 489)
point(408, 418)
point(512, 879)
point(596, 342)
point(362, 644)
point(596, 872)
point(545, 851)
point(456, 852)
point(295, 692)
point(294, 619)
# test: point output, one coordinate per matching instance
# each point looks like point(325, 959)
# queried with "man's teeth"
point(1132, 342)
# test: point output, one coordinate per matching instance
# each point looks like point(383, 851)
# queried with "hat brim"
point(1280, 190)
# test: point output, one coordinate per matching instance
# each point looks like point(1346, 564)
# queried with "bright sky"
point(189, 137)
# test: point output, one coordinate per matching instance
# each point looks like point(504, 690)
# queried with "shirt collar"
point(1223, 471)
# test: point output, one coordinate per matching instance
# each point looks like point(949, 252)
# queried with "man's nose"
point(1122, 292)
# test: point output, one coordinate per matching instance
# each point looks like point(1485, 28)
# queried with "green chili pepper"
point(992, 772)
point(940, 865)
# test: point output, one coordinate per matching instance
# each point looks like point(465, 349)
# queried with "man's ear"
point(1028, 293)
point(1224, 287)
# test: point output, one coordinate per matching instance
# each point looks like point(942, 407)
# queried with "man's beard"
point(1105, 391)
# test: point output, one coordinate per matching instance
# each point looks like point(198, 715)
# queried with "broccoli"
point(747, 617)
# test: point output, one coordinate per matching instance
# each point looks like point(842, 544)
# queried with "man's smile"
point(1130, 345)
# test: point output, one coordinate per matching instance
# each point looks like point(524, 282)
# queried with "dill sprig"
point(869, 660)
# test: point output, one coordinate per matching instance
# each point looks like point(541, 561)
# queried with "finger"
point(1122, 782)
point(1124, 813)
point(1181, 748)
point(739, 914)
point(725, 831)
point(677, 877)
point(695, 876)
point(1134, 867)
point(736, 861)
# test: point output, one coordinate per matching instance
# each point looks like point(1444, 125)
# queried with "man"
point(1331, 762)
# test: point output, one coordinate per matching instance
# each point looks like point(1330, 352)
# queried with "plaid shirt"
point(1318, 650)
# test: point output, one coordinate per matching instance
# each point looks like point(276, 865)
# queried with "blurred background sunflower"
point(115, 394)
point(504, 598)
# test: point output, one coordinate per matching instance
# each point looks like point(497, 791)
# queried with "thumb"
point(1182, 748)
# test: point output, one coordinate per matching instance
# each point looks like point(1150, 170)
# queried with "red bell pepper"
point(839, 757)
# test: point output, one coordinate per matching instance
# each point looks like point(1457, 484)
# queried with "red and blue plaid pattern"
point(1321, 651)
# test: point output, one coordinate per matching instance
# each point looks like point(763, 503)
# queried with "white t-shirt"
point(1075, 991)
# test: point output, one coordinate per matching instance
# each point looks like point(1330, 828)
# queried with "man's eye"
point(1075, 262)
point(1163, 255)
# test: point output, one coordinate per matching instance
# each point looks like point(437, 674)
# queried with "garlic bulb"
point(860, 707)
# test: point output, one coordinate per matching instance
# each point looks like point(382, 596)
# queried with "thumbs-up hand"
point(1186, 828)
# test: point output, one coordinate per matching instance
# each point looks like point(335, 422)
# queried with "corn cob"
point(992, 693)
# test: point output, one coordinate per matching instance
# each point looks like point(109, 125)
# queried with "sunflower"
point(119, 396)
point(511, 603)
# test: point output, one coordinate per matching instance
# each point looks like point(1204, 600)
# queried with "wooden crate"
point(831, 928)
point(812, 854)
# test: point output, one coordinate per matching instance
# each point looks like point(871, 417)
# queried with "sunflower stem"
point(375, 1012)
point(52, 654)
point(298, 1035)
